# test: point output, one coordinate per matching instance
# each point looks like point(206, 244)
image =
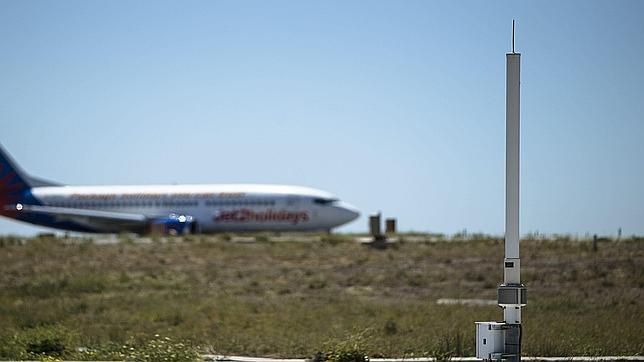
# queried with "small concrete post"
point(390, 226)
point(378, 240)
point(374, 225)
point(595, 243)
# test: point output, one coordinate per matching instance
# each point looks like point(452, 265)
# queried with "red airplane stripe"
point(5, 180)
point(8, 178)
point(10, 188)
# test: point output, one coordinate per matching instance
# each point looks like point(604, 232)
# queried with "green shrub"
point(351, 349)
point(53, 343)
point(47, 346)
point(39, 342)
point(448, 347)
point(440, 355)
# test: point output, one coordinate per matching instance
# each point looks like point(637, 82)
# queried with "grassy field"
point(293, 298)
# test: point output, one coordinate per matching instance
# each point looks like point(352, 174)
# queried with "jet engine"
point(174, 225)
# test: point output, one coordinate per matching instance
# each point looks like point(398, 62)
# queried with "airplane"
point(167, 209)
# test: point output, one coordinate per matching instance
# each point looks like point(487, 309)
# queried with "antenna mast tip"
point(513, 52)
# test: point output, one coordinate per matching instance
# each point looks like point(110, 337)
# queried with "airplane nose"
point(349, 212)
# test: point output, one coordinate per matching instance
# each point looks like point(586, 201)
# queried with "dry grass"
point(293, 298)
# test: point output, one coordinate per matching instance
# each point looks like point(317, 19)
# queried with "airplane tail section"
point(13, 180)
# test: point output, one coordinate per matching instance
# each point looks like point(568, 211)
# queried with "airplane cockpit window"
point(321, 201)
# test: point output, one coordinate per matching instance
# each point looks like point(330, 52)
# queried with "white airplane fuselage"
point(214, 208)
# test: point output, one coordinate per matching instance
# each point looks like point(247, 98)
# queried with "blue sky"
point(393, 106)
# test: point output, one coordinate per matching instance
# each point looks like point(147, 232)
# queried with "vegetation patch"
point(161, 349)
point(71, 298)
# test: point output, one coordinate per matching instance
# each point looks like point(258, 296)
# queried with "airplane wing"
point(106, 218)
point(111, 221)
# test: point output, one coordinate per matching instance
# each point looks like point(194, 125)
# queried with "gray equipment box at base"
point(490, 340)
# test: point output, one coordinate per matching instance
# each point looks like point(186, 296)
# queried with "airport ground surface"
point(284, 298)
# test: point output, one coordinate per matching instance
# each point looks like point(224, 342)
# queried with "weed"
point(351, 349)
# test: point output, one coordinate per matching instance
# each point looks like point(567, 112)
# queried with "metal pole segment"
point(513, 36)
point(512, 263)
point(512, 157)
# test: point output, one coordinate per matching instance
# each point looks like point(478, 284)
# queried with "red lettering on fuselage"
point(248, 215)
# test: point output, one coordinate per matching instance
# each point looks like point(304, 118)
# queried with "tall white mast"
point(512, 265)
point(502, 340)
